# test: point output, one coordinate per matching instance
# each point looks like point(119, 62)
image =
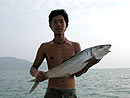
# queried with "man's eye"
point(61, 21)
point(54, 21)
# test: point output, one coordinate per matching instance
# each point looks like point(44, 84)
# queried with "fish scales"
point(70, 66)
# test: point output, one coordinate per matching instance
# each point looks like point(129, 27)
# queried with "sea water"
point(96, 83)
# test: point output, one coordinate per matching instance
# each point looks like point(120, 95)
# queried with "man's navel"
point(51, 58)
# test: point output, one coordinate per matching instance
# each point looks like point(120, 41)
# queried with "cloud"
point(17, 6)
point(39, 4)
point(29, 5)
point(89, 3)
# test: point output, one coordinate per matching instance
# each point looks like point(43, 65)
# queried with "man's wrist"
point(34, 72)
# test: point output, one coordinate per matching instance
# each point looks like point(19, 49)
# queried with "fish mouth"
point(109, 46)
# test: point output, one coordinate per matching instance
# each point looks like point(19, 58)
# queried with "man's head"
point(58, 12)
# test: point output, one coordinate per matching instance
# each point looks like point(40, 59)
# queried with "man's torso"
point(55, 55)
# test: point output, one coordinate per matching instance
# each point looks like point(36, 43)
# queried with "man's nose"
point(58, 24)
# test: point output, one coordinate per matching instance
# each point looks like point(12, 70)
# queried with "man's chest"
point(57, 53)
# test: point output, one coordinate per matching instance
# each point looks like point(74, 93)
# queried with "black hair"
point(58, 12)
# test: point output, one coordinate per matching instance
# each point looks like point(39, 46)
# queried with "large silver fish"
point(75, 63)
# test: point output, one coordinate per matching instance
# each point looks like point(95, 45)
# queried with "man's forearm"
point(92, 62)
point(34, 71)
point(84, 70)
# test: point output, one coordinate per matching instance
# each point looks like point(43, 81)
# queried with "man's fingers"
point(93, 61)
point(41, 76)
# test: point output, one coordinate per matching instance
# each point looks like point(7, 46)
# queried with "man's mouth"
point(58, 29)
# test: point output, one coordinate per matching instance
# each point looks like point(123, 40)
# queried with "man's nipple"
point(51, 58)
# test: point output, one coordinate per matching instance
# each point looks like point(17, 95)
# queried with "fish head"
point(99, 51)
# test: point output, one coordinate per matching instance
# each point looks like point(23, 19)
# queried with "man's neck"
point(59, 39)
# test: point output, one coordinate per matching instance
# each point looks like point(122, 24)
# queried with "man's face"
point(58, 24)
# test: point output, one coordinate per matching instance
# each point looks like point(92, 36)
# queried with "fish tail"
point(34, 86)
point(34, 80)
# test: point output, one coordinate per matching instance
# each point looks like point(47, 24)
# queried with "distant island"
point(13, 63)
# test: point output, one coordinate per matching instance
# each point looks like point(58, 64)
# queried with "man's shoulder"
point(45, 44)
point(75, 44)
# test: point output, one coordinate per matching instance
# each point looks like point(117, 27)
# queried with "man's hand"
point(92, 62)
point(41, 76)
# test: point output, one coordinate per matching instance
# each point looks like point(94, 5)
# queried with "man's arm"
point(92, 62)
point(40, 75)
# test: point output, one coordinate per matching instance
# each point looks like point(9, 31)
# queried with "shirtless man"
point(56, 51)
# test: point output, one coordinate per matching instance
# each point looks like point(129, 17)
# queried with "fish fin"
point(71, 57)
point(86, 61)
point(67, 75)
point(34, 80)
point(34, 86)
point(67, 59)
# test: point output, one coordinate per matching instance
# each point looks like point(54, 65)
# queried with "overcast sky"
point(24, 26)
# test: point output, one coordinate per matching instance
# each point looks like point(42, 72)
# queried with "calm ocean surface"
point(97, 83)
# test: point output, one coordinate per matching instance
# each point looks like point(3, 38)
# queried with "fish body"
point(76, 63)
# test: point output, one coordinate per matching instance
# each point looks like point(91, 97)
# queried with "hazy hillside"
point(12, 63)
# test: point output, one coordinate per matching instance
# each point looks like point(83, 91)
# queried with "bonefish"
point(75, 63)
